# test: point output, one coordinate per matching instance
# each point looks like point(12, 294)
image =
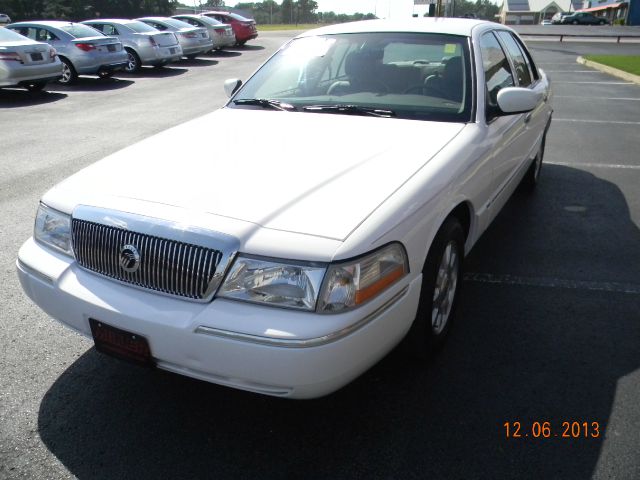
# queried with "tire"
point(69, 75)
point(192, 57)
point(134, 63)
point(105, 74)
point(603, 23)
point(441, 283)
point(36, 86)
point(241, 44)
point(532, 177)
point(575, 22)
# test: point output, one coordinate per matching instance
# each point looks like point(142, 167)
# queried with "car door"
point(527, 76)
point(503, 132)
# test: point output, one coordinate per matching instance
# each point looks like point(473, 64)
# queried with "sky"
point(383, 8)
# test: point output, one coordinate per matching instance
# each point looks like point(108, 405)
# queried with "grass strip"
point(626, 63)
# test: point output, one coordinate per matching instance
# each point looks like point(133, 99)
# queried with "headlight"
point(354, 282)
point(273, 282)
point(53, 228)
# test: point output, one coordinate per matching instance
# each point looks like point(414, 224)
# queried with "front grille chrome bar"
point(151, 253)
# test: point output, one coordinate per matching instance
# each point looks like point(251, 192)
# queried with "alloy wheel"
point(445, 287)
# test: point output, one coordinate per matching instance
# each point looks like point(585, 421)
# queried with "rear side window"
point(520, 64)
point(78, 30)
point(108, 29)
point(497, 71)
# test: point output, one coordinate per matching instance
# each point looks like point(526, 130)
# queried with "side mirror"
point(231, 86)
point(518, 100)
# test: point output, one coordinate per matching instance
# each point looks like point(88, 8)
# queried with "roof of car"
point(453, 26)
point(47, 23)
point(111, 20)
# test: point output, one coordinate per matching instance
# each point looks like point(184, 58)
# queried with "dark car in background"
point(582, 18)
point(243, 28)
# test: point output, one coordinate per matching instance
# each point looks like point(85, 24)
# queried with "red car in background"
point(243, 28)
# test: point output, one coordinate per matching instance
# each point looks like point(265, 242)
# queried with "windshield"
point(175, 23)
point(140, 27)
point(239, 17)
point(7, 35)
point(209, 20)
point(78, 30)
point(414, 75)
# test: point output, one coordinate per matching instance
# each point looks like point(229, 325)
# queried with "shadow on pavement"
point(15, 98)
point(517, 353)
point(198, 62)
point(93, 84)
point(244, 48)
point(225, 53)
point(155, 72)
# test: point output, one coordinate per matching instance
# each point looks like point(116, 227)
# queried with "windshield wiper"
point(350, 110)
point(266, 103)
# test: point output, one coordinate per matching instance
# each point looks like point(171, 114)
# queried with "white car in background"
point(379, 152)
point(4, 19)
point(25, 63)
point(221, 33)
point(144, 45)
point(193, 40)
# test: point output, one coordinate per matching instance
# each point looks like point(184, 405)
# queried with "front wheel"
point(441, 281)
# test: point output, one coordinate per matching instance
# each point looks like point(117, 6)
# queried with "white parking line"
point(594, 165)
point(573, 71)
point(545, 282)
point(616, 122)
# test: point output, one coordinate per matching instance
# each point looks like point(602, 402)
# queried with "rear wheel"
point(133, 61)
point(69, 74)
point(441, 280)
point(192, 57)
point(36, 86)
point(575, 22)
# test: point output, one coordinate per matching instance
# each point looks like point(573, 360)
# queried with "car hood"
point(310, 173)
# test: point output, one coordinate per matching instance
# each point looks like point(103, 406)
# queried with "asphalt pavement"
point(548, 328)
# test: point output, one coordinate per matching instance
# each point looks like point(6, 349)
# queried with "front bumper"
point(261, 349)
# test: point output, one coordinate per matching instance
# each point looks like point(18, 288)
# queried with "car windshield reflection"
point(414, 75)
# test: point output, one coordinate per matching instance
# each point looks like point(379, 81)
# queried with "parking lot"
point(548, 327)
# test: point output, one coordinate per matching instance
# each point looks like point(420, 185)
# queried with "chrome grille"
point(165, 265)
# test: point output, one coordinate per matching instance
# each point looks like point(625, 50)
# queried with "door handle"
point(527, 117)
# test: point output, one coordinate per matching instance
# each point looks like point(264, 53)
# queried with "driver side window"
point(497, 71)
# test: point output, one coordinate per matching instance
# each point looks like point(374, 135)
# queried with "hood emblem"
point(129, 258)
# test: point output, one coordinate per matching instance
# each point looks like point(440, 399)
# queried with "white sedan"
point(380, 151)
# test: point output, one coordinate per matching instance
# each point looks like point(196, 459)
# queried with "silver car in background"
point(82, 50)
point(144, 44)
point(221, 33)
point(193, 40)
point(25, 63)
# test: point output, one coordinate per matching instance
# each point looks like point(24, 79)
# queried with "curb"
point(630, 77)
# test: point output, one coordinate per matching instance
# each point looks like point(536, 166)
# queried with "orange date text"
point(545, 429)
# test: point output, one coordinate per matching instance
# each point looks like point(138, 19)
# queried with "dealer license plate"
point(120, 343)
